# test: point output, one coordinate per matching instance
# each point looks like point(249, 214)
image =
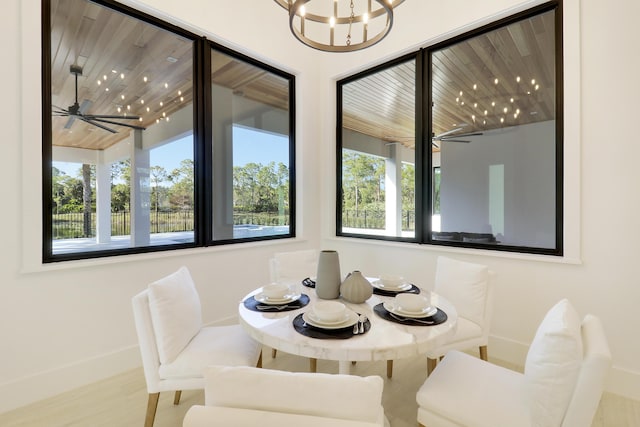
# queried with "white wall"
point(529, 210)
point(69, 324)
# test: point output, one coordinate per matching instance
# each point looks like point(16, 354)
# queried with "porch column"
point(103, 200)
point(222, 163)
point(140, 193)
point(393, 191)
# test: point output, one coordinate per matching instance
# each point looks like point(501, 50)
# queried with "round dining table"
point(384, 339)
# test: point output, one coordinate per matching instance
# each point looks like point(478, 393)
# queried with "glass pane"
point(378, 153)
point(251, 145)
point(122, 126)
point(494, 127)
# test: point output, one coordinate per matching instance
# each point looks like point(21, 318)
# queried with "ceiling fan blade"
point(447, 133)
point(106, 116)
point(114, 123)
point(462, 135)
point(91, 122)
point(456, 140)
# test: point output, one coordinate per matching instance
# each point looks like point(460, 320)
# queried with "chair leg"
point(483, 352)
point(152, 405)
point(389, 368)
point(176, 398)
point(259, 364)
point(313, 365)
point(431, 365)
point(273, 353)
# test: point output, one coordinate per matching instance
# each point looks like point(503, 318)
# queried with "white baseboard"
point(32, 388)
point(42, 385)
point(38, 386)
point(620, 381)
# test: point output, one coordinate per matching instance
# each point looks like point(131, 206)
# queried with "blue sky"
point(249, 145)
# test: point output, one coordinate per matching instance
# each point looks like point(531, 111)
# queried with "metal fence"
point(375, 219)
point(70, 225)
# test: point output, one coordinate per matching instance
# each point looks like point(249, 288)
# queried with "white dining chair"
point(293, 267)
point(468, 287)
point(247, 397)
point(175, 347)
point(561, 386)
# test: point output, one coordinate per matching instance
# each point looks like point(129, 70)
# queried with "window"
point(250, 151)
point(132, 130)
point(377, 157)
point(491, 135)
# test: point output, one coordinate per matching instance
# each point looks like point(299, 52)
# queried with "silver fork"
point(411, 319)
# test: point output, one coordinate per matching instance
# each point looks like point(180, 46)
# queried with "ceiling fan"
point(77, 111)
point(451, 136)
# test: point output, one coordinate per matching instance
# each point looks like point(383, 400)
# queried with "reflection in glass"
point(494, 127)
point(378, 152)
point(251, 150)
point(122, 125)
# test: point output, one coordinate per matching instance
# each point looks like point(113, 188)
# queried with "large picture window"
point(132, 128)
point(491, 135)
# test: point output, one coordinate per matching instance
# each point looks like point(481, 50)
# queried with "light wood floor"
point(121, 400)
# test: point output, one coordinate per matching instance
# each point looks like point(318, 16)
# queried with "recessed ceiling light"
point(172, 59)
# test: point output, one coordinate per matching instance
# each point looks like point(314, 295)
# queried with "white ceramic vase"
point(356, 288)
point(328, 277)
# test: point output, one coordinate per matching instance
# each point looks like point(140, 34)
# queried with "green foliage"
point(362, 180)
point(256, 188)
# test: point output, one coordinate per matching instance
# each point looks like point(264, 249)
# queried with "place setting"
point(331, 320)
point(391, 285)
point(276, 297)
point(411, 310)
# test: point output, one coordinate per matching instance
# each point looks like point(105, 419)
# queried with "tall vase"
point(328, 280)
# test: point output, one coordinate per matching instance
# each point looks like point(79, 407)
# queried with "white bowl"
point(393, 281)
point(275, 290)
point(329, 311)
point(411, 303)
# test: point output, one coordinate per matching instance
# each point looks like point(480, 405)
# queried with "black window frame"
point(424, 163)
point(202, 141)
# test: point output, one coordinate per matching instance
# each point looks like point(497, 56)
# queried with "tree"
point(158, 176)
point(181, 192)
point(120, 185)
point(362, 176)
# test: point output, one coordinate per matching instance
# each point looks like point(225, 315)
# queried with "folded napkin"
point(253, 305)
point(436, 319)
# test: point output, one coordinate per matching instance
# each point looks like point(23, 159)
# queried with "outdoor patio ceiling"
point(133, 68)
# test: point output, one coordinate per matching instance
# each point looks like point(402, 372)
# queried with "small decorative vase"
point(328, 280)
point(356, 288)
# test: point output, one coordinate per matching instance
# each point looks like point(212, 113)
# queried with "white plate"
point(351, 319)
point(262, 298)
point(425, 312)
point(393, 288)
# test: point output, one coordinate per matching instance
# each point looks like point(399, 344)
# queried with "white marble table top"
point(384, 341)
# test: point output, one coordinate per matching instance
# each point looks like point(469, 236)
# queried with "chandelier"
point(340, 25)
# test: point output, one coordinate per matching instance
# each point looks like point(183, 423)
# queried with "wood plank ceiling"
point(498, 79)
point(117, 52)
